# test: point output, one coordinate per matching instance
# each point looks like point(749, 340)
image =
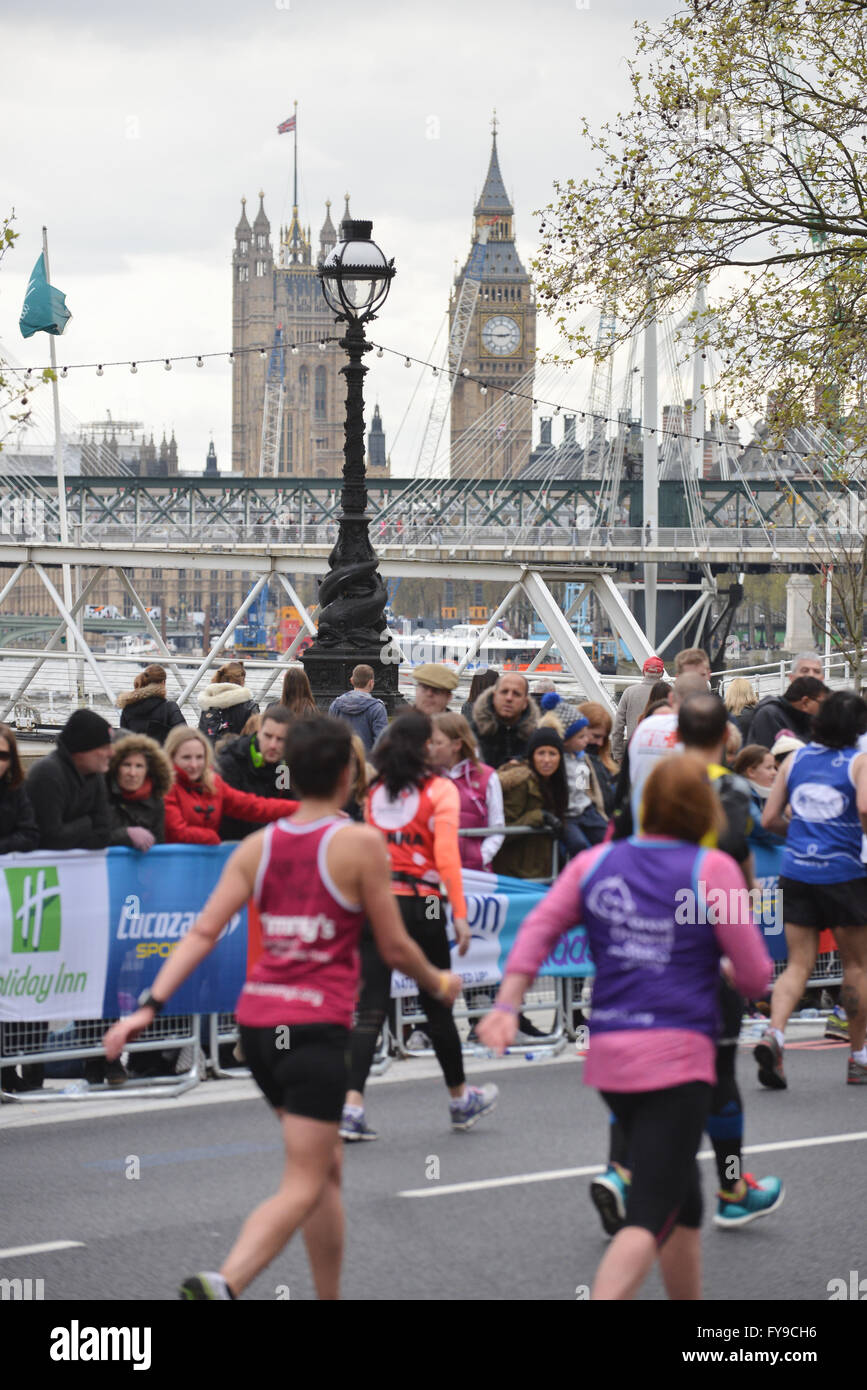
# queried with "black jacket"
point(71, 810)
point(236, 766)
point(772, 715)
point(147, 711)
point(499, 742)
point(19, 832)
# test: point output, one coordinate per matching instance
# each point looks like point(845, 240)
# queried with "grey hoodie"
point(366, 715)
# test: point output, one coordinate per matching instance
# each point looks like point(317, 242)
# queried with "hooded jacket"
point(241, 765)
point(523, 856)
point(365, 715)
point(772, 715)
point(193, 814)
point(225, 707)
point(147, 711)
point(148, 811)
point(71, 809)
point(498, 741)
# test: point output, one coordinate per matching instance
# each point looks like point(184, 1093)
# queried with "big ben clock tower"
point(491, 433)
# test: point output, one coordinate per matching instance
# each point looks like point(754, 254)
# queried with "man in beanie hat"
point(633, 703)
point(67, 787)
point(434, 687)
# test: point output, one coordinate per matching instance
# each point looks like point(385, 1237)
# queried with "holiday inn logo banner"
point(53, 938)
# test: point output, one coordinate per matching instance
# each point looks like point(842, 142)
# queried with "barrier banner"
point(154, 898)
point(496, 907)
point(53, 937)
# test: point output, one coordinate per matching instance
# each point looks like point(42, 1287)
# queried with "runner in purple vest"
point(660, 913)
point(453, 753)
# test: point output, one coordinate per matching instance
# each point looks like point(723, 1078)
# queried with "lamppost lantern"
point(355, 275)
point(352, 629)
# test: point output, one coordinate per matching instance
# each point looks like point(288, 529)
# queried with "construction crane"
point(272, 410)
point(447, 375)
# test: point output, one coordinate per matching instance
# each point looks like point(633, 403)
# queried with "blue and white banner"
point(154, 898)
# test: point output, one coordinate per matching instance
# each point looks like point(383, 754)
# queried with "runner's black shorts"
point(309, 1076)
point(822, 905)
point(663, 1130)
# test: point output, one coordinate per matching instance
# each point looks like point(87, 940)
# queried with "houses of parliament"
point(272, 289)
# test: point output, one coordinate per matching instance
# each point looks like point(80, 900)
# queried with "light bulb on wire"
point(133, 368)
point(168, 365)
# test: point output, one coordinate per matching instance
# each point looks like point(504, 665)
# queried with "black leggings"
point(662, 1131)
point(431, 936)
point(725, 1122)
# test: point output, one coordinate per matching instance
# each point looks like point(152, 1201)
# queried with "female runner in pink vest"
point(315, 877)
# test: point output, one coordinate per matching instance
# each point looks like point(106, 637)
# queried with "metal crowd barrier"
point(828, 970)
point(24, 1043)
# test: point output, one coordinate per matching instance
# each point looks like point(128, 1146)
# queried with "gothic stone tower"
point(267, 293)
point(491, 435)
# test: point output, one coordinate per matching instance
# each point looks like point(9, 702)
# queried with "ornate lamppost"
point(355, 278)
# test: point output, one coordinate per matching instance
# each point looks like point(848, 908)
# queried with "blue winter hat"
point(569, 716)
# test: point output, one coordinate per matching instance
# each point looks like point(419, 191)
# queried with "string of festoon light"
point(321, 344)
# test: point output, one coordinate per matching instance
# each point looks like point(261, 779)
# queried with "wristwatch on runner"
point(147, 1000)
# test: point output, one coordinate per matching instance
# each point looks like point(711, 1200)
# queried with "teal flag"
point(45, 308)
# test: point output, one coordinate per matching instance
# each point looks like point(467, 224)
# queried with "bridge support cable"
point(72, 626)
point(307, 629)
point(139, 604)
point(576, 604)
point(703, 601)
point(484, 633)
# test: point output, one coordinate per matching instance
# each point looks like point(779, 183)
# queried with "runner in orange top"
point(417, 813)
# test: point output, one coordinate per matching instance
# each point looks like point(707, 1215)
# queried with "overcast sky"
point(132, 131)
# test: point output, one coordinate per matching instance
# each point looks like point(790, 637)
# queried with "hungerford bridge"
point(522, 534)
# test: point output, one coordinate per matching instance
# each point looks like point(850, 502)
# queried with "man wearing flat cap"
point(434, 687)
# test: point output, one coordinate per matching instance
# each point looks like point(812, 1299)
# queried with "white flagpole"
point(61, 483)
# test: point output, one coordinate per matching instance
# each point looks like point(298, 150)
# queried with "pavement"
point(139, 1192)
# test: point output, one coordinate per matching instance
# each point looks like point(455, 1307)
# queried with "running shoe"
point(204, 1287)
point(478, 1101)
point(354, 1128)
point(608, 1194)
point(837, 1025)
point(769, 1056)
point(418, 1041)
point(760, 1199)
point(116, 1073)
point(856, 1074)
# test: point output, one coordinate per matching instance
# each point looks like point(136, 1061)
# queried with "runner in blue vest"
point(823, 880)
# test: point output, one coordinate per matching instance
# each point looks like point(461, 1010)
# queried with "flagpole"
point(61, 478)
point(295, 184)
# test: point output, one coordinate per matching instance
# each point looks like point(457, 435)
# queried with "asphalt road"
point(207, 1160)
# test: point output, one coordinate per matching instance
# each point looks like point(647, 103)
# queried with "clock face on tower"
point(501, 335)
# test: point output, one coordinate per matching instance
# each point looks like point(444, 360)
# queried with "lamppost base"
point(328, 672)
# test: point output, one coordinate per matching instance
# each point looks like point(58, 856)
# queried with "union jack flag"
point(286, 126)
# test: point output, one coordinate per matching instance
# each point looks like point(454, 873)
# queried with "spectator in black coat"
point(138, 778)
point(19, 832)
point(145, 709)
point(504, 717)
point(67, 787)
point(794, 711)
point(255, 763)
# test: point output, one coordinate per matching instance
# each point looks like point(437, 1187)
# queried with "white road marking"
point(557, 1174)
point(47, 1245)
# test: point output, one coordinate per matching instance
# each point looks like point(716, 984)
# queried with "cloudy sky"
point(133, 130)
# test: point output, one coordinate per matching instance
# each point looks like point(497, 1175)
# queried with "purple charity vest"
point(656, 965)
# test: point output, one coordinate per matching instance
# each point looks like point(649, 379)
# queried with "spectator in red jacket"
point(199, 797)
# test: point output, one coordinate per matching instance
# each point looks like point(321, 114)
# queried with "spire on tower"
point(243, 225)
point(494, 200)
point(328, 234)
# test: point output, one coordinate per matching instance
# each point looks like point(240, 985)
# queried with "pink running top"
point(309, 970)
